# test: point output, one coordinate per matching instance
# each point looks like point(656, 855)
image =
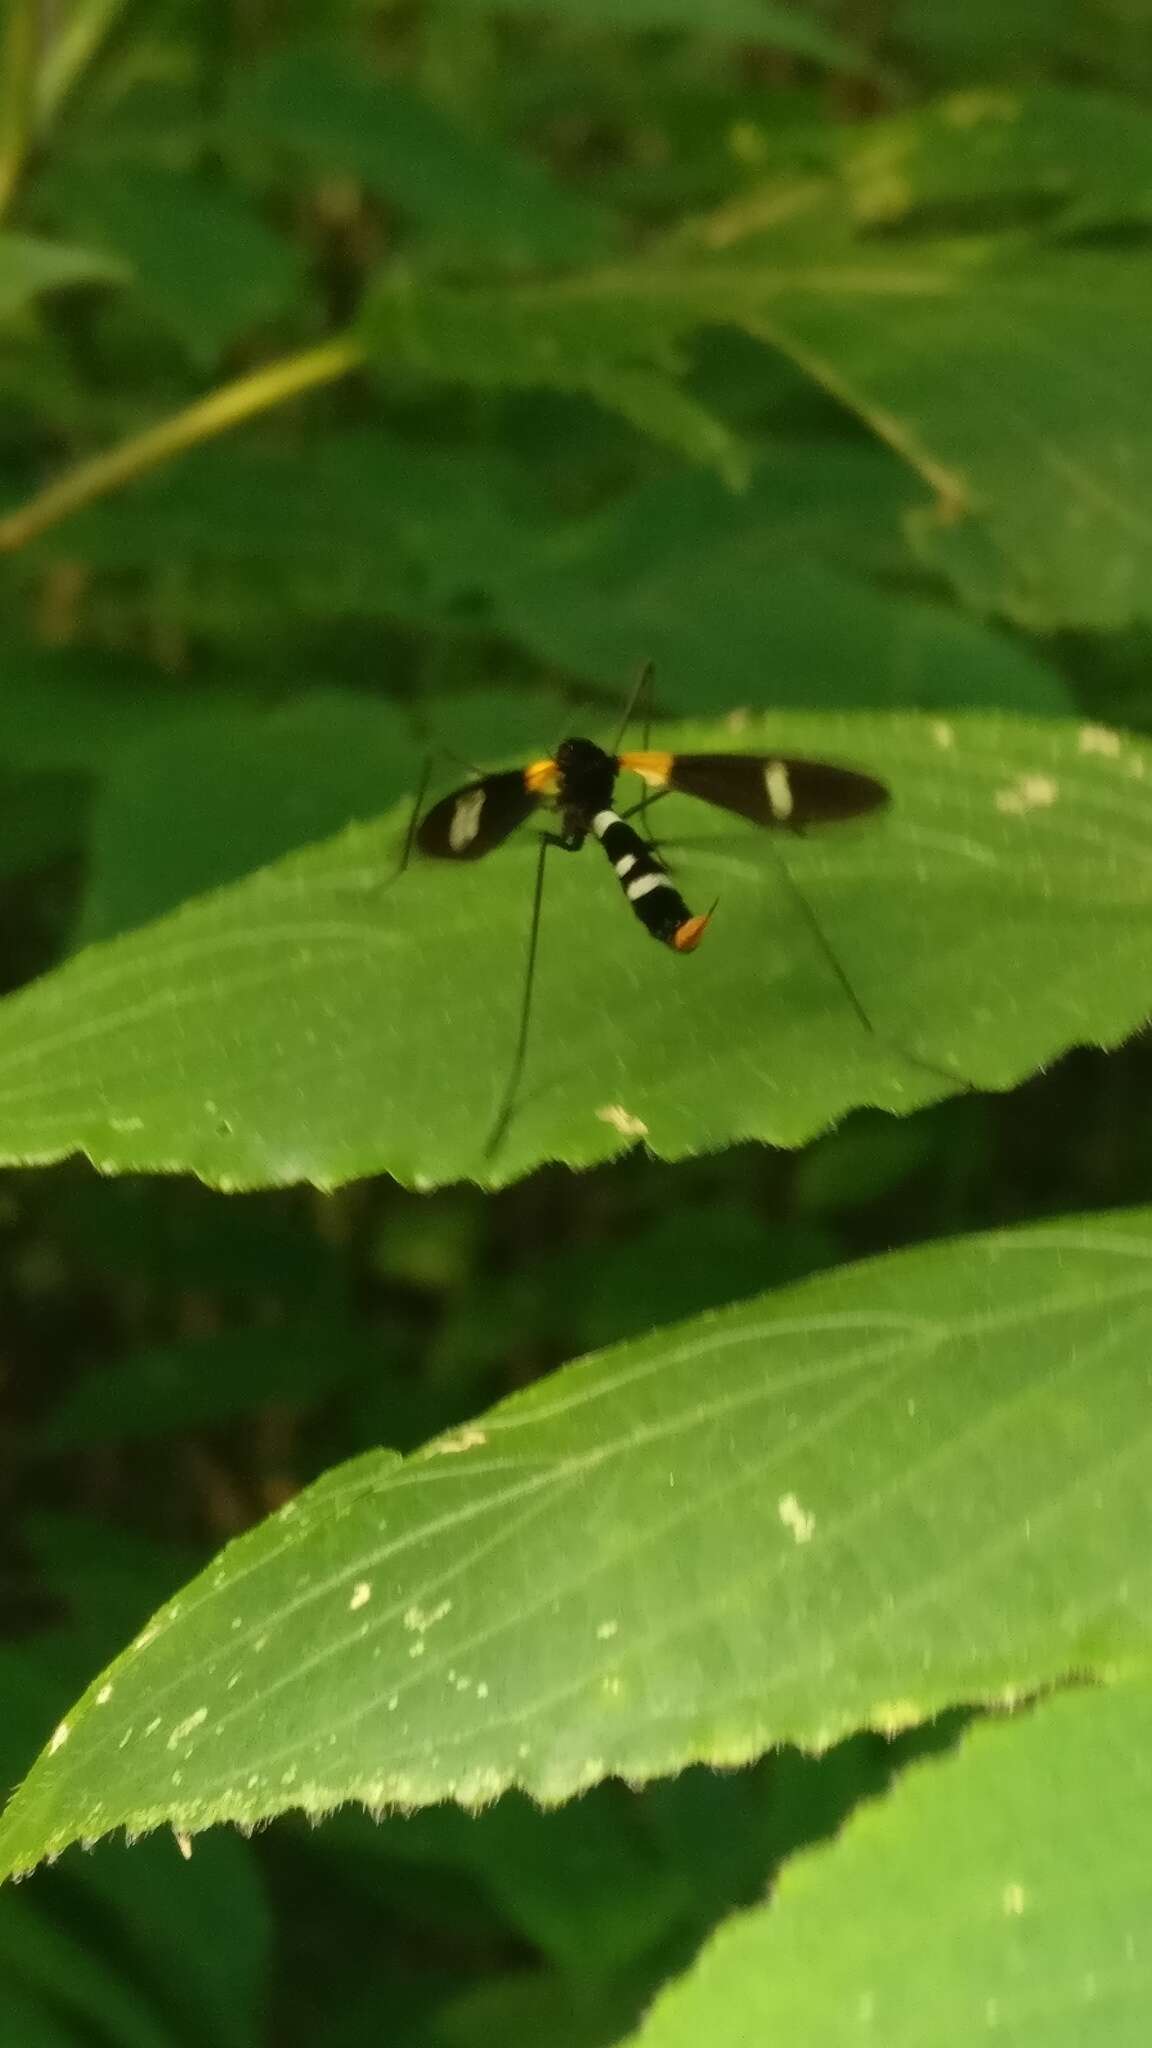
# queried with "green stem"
point(72, 51)
point(226, 408)
point(19, 55)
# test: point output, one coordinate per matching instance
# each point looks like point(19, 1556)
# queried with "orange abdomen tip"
point(688, 935)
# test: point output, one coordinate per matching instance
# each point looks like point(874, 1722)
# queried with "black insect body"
point(577, 784)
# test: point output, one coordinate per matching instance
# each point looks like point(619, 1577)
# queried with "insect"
point(577, 785)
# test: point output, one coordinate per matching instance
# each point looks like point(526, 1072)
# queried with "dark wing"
point(475, 819)
point(771, 789)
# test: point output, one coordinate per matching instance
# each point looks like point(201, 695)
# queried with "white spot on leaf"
point(467, 1439)
point(1099, 739)
point(796, 1520)
point(622, 1120)
point(361, 1595)
point(187, 1727)
point(184, 1844)
point(104, 1695)
point(421, 1618)
point(1027, 793)
point(1014, 1900)
point(59, 1738)
point(607, 1630)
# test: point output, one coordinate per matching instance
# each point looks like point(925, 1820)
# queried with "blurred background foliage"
point(483, 466)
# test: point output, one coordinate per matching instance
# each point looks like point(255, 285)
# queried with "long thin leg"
point(508, 1099)
point(642, 689)
point(641, 811)
point(642, 684)
point(645, 804)
point(829, 953)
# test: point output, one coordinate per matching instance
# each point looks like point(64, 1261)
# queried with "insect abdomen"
point(656, 901)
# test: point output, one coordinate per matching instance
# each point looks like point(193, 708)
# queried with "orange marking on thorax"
point(654, 769)
point(541, 778)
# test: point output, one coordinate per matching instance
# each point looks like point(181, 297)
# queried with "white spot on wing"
point(466, 819)
point(778, 787)
point(796, 1519)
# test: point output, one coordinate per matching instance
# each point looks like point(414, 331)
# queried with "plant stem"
point(19, 54)
point(71, 52)
point(226, 408)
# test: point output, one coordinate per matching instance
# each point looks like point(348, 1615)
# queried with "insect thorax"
point(587, 780)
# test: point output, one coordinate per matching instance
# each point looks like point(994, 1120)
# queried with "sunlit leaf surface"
point(917, 1481)
point(970, 1905)
point(329, 1018)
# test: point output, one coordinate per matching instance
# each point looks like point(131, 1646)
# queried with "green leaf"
point(50, 1967)
point(1019, 392)
point(330, 1018)
point(908, 1483)
point(524, 2007)
point(219, 795)
point(36, 2024)
point(216, 1987)
point(1015, 39)
point(1014, 386)
point(359, 523)
point(777, 26)
point(41, 818)
point(29, 267)
point(176, 1237)
point(105, 1579)
point(184, 1386)
point(216, 798)
point(749, 599)
point(970, 1903)
point(33, 1703)
point(608, 341)
point(1089, 153)
point(202, 261)
point(695, 1257)
point(72, 710)
point(478, 198)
